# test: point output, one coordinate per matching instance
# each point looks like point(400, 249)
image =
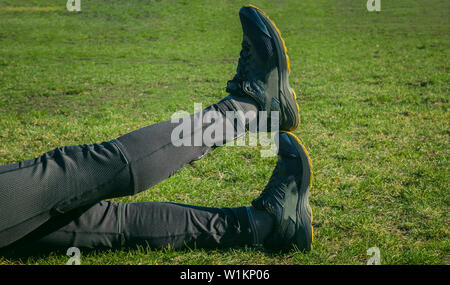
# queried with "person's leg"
point(156, 152)
point(112, 225)
point(281, 217)
point(33, 191)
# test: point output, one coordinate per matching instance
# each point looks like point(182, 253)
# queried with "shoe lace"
point(242, 69)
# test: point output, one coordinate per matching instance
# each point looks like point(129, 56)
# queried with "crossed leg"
point(55, 198)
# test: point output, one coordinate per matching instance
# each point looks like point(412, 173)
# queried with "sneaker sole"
point(304, 235)
point(283, 61)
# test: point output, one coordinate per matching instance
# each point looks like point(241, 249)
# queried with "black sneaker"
point(263, 68)
point(286, 197)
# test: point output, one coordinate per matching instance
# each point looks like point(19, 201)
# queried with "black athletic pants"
point(56, 199)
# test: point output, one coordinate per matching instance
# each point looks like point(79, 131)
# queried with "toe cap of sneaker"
point(248, 13)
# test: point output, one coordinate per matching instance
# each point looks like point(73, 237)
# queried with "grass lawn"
point(373, 89)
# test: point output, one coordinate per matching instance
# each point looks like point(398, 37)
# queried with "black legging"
point(37, 196)
point(113, 225)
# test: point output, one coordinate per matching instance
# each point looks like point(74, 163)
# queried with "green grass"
point(373, 90)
